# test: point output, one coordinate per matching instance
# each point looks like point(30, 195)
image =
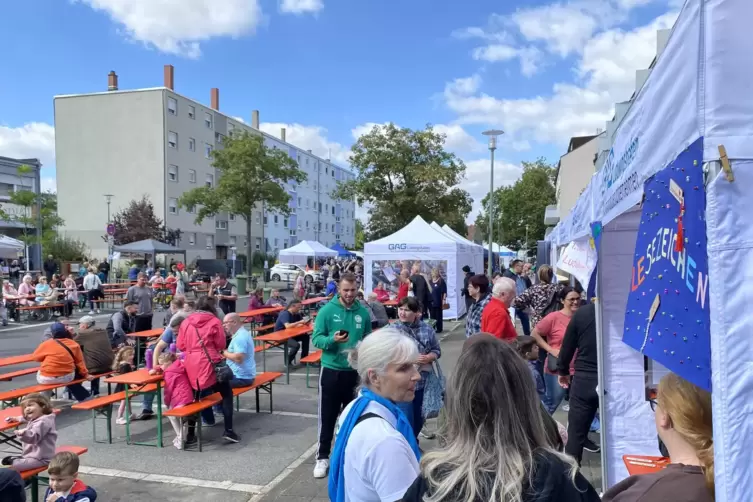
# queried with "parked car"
point(288, 273)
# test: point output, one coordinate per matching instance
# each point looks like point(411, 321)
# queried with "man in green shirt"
point(339, 326)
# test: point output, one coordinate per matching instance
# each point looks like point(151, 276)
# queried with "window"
point(265, 219)
point(232, 217)
point(191, 144)
point(307, 203)
point(191, 112)
point(258, 243)
point(307, 224)
point(172, 106)
point(299, 202)
point(285, 222)
point(326, 227)
point(337, 237)
point(208, 120)
point(326, 170)
point(232, 241)
point(172, 205)
point(221, 225)
point(277, 243)
point(172, 139)
point(275, 219)
point(320, 207)
point(192, 238)
point(210, 241)
point(207, 150)
point(172, 172)
point(292, 233)
point(209, 180)
point(285, 244)
point(333, 211)
point(307, 161)
point(192, 175)
point(315, 186)
point(191, 209)
point(333, 173)
point(258, 217)
point(320, 226)
point(326, 208)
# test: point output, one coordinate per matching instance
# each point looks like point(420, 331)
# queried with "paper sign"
point(579, 260)
point(675, 330)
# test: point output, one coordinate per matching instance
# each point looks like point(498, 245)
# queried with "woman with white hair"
point(26, 291)
point(376, 455)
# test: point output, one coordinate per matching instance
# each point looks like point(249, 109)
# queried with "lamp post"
point(108, 199)
point(492, 134)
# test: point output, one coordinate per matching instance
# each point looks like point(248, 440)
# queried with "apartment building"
point(156, 142)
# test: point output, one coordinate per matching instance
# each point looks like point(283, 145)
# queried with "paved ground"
point(273, 461)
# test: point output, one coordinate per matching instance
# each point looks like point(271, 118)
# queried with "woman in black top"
point(438, 296)
point(497, 445)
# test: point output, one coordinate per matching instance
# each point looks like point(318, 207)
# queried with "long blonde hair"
point(494, 428)
point(689, 409)
point(121, 357)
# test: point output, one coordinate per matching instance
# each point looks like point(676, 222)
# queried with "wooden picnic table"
point(9, 438)
point(262, 311)
point(280, 338)
point(311, 301)
point(9, 361)
point(141, 378)
point(149, 333)
point(390, 303)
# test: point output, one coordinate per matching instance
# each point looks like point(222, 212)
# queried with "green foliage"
point(66, 248)
point(401, 174)
point(249, 173)
point(138, 222)
point(360, 235)
point(521, 205)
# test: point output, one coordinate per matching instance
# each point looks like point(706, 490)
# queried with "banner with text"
point(579, 259)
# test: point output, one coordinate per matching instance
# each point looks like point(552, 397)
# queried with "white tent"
point(477, 252)
point(10, 247)
point(697, 92)
point(418, 242)
point(298, 254)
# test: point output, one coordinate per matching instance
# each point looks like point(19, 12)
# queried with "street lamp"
point(492, 134)
point(108, 199)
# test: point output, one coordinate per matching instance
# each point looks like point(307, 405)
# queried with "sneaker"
point(231, 436)
point(426, 434)
point(121, 421)
point(145, 415)
point(98, 311)
point(91, 312)
point(591, 446)
point(566, 407)
point(190, 440)
point(178, 443)
point(321, 468)
point(208, 424)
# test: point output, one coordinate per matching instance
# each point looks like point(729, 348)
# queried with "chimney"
point(169, 77)
point(215, 99)
point(255, 119)
point(308, 151)
point(112, 81)
point(282, 134)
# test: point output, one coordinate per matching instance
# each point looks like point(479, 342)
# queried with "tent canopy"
point(501, 250)
point(308, 248)
point(417, 233)
point(341, 251)
point(10, 247)
point(148, 246)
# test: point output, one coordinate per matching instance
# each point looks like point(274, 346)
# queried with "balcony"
point(551, 215)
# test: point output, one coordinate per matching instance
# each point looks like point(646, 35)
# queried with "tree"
point(66, 248)
point(138, 222)
point(249, 173)
point(401, 174)
point(519, 209)
point(360, 237)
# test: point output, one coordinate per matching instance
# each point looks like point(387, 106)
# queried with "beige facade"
point(576, 168)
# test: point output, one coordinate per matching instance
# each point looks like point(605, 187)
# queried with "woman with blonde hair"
point(497, 443)
point(683, 422)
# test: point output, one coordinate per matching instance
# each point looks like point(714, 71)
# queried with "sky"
point(328, 70)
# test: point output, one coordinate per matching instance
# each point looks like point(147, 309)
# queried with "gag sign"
point(667, 315)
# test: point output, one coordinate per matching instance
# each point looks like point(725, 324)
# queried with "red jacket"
point(382, 294)
point(496, 320)
point(178, 391)
point(198, 367)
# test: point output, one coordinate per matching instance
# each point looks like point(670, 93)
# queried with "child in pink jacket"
point(178, 392)
point(39, 435)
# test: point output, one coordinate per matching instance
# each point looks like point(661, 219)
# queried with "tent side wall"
point(627, 421)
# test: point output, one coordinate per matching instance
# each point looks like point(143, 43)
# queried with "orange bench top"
point(15, 374)
point(265, 310)
point(312, 358)
point(195, 407)
point(102, 401)
point(18, 393)
point(261, 379)
point(286, 334)
point(78, 450)
point(10, 361)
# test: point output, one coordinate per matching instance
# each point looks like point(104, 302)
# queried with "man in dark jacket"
point(50, 267)
point(420, 288)
point(121, 324)
point(95, 345)
point(464, 293)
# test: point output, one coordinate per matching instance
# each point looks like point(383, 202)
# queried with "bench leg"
point(308, 366)
point(270, 396)
point(257, 400)
point(237, 403)
point(34, 489)
point(198, 431)
point(108, 416)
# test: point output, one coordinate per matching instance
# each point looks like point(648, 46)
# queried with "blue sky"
point(326, 69)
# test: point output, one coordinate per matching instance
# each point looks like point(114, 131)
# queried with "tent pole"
point(603, 418)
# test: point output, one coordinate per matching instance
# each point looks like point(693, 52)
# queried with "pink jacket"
point(39, 438)
point(254, 304)
point(198, 367)
point(178, 391)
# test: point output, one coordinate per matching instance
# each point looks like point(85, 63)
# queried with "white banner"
point(579, 260)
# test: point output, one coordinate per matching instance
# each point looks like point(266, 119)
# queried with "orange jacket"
point(56, 361)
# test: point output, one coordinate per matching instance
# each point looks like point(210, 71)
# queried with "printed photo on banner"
point(387, 272)
point(667, 315)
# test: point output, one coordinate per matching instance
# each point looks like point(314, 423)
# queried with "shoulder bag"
point(76, 374)
point(434, 387)
point(222, 371)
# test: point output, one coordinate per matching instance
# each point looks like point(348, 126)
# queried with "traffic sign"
point(110, 229)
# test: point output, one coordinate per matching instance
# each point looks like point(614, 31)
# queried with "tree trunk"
point(249, 245)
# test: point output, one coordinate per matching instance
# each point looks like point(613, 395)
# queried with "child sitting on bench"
point(178, 392)
point(123, 364)
point(38, 437)
point(64, 483)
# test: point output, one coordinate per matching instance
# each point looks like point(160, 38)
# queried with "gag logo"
point(397, 247)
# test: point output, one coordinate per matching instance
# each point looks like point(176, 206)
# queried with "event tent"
point(477, 253)
point(299, 254)
point(419, 242)
point(148, 246)
point(695, 101)
point(10, 247)
point(341, 251)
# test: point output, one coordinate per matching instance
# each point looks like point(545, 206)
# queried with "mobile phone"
point(343, 332)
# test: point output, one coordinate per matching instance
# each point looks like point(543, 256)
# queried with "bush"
point(66, 248)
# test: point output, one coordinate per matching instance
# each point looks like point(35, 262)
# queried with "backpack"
point(553, 304)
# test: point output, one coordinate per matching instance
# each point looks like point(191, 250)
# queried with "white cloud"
point(457, 139)
point(312, 138)
point(240, 119)
point(179, 26)
point(605, 73)
point(529, 56)
point(478, 180)
point(301, 6)
point(35, 140)
point(48, 184)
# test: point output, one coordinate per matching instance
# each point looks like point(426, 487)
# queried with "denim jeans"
point(554, 392)
point(227, 405)
point(234, 384)
point(524, 321)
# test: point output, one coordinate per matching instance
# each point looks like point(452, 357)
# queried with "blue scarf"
point(337, 465)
